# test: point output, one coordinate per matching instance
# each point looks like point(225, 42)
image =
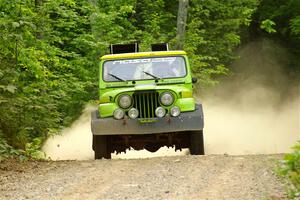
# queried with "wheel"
point(196, 143)
point(100, 146)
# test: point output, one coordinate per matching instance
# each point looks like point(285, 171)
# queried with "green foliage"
point(282, 19)
point(213, 33)
point(282, 16)
point(155, 22)
point(295, 26)
point(290, 169)
point(32, 149)
point(268, 26)
point(6, 151)
point(48, 62)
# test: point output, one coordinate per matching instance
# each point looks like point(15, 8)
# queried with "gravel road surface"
point(181, 177)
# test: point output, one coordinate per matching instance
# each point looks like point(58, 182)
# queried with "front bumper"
point(187, 121)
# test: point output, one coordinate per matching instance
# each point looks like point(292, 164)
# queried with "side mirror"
point(194, 80)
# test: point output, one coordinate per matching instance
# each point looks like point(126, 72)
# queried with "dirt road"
point(181, 177)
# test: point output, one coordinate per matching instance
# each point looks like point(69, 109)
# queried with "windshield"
point(144, 68)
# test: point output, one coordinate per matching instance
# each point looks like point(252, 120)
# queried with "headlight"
point(160, 112)
point(175, 111)
point(133, 113)
point(125, 101)
point(166, 98)
point(118, 113)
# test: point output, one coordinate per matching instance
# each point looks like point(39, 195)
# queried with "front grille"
point(146, 102)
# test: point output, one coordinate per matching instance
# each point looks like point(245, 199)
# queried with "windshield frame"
point(183, 57)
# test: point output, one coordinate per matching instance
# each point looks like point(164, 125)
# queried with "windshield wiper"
point(116, 77)
point(153, 76)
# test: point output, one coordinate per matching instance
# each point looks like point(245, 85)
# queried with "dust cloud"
point(256, 110)
point(251, 129)
point(74, 142)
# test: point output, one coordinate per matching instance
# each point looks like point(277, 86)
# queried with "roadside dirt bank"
point(178, 177)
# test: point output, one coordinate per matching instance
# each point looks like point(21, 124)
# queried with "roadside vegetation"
point(289, 168)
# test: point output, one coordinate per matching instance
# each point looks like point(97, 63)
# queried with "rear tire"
point(196, 143)
point(100, 146)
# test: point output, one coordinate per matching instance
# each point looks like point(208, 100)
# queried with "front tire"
point(100, 146)
point(196, 143)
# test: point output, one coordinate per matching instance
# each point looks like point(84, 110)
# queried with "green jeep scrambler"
point(146, 102)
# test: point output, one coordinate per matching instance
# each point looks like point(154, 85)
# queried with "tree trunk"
point(181, 22)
